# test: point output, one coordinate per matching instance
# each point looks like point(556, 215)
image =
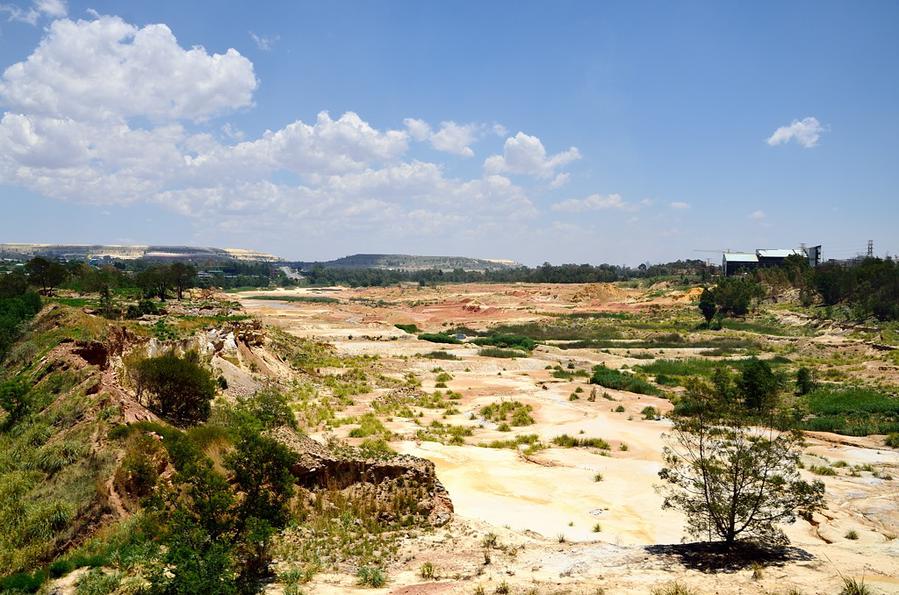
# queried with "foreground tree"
point(734, 481)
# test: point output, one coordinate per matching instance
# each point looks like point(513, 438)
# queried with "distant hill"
point(115, 252)
point(408, 262)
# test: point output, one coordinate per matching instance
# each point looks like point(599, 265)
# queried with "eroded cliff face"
point(397, 488)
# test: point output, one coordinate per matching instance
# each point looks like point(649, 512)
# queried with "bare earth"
point(543, 507)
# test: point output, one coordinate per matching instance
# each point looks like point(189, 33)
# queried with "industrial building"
point(733, 263)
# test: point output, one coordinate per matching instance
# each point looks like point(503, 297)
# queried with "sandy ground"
point(545, 508)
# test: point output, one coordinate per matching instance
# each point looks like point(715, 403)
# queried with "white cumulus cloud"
point(104, 112)
point(805, 132)
point(758, 215)
point(106, 68)
point(450, 137)
point(526, 155)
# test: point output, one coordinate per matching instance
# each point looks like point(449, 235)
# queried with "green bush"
point(507, 341)
point(371, 576)
point(439, 338)
point(610, 378)
point(892, 440)
point(501, 353)
point(179, 389)
point(566, 441)
point(408, 328)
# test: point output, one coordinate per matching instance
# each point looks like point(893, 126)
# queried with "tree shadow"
point(720, 557)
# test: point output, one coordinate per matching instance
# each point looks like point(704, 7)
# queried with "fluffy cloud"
point(805, 132)
point(54, 9)
point(450, 137)
point(594, 202)
point(758, 215)
point(105, 112)
point(106, 68)
point(525, 154)
point(679, 205)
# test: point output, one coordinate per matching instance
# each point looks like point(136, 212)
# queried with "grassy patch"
point(856, 411)
point(566, 441)
point(501, 353)
point(610, 378)
point(439, 338)
point(302, 299)
point(513, 412)
point(444, 355)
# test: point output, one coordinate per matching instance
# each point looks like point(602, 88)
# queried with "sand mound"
point(599, 292)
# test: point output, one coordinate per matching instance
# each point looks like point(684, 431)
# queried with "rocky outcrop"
point(396, 488)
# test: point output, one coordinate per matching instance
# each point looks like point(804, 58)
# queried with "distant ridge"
point(408, 262)
point(123, 252)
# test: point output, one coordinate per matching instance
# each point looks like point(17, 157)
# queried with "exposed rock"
point(395, 486)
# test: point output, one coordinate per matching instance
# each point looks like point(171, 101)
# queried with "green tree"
point(758, 385)
point(181, 276)
point(734, 479)
point(805, 382)
point(107, 305)
point(45, 274)
point(707, 304)
point(179, 389)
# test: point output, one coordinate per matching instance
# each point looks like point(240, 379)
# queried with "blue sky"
point(562, 132)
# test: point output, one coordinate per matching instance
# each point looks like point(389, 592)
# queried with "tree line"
point(868, 288)
point(687, 271)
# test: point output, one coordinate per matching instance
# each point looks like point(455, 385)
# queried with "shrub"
point(501, 353)
point(892, 440)
point(180, 389)
point(566, 441)
point(371, 576)
point(444, 355)
point(408, 328)
point(650, 413)
point(610, 378)
point(439, 338)
point(507, 341)
point(427, 571)
point(97, 582)
point(852, 534)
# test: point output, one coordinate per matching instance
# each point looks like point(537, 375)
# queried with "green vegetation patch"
point(856, 411)
point(513, 412)
point(439, 338)
point(610, 378)
point(303, 299)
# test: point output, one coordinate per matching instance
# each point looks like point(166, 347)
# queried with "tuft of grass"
point(597, 528)
point(851, 534)
point(822, 470)
point(427, 571)
point(566, 441)
point(371, 576)
point(675, 588)
point(853, 586)
point(597, 477)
